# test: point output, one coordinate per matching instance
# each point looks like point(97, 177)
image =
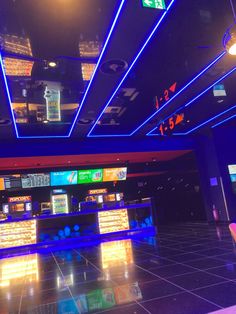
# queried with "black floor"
point(186, 269)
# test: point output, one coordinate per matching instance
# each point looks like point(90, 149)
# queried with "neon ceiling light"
point(182, 90)
point(128, 71)
point(85, 94)
point(223, 121)
point(191, 101)
point(211, 119)
point(204, 123)
point(98, 64)
point(169, 101)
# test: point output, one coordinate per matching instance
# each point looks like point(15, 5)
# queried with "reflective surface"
point(186, 269)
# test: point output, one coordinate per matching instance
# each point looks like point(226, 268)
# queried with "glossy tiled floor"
point(186, 269)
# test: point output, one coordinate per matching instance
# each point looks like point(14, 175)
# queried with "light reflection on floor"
point(185, 269)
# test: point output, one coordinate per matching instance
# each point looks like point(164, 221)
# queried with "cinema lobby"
point(117, 156)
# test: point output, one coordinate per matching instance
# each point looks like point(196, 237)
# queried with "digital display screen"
point(114, 174)
point(35, 180)
point(89, 176)
point(63, 178)
point(232, 172)
point(12, 181)
point(2, 185)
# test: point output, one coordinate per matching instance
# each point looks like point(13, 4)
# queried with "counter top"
point(83, 212)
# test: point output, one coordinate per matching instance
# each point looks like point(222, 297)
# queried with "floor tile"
point(223, 294)
point(170, 271)
point(195, 280)
point(183, 303)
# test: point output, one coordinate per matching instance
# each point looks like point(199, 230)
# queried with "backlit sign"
point(16, 199)
point(114, 174)
point(89, 176)
point(97, 191)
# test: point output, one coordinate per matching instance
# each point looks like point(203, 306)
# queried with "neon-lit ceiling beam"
point(128, 71)
point(181, 90)
point(204, 70)
point(150, 133)
point(85, 94)
point(223, 121)
point(98, 64)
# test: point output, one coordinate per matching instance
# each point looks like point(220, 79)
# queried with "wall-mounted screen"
point(12, 181)
point(232, 172)
point(89, 176)
point(2, 185)
point(114, 174)
point(35, 180)
point(63, 178)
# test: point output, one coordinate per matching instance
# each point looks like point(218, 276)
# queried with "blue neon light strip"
point(223, 121)
point(98, 64)
point(182, 90)
point(86, 92)
point(191, 101)
point(8, 95)
point(128, 71)
point(169, 101)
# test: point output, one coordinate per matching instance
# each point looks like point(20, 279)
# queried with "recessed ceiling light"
point(52, 64)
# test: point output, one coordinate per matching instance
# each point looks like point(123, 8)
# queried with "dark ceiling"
point(149, 66)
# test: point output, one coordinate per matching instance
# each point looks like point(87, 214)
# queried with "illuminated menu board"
point(18, 67)
point(113, 221)
point(12, 181)
point(35, 180)
point(89, 176)
point(2, 185)
point(17, 233)
point(114, 174)
point(64, 178)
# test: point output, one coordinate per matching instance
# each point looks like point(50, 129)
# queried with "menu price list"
point(113, 221)
point(35, 180)
point(17, 234)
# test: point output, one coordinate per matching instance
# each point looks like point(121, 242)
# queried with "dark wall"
point(215, 150)
point(225, 144)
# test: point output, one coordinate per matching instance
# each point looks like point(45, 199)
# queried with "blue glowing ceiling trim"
point(181, 90)
point(192, 100)
point(98, 64)
point(129, 69)
point(223, 121)
point(85, 94)
point(211, 119)
point(8, 94)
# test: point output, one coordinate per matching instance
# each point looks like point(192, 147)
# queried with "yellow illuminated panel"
point(20, 267)
point(17, 233)
point(116, 253)
point(90, 49)
point(2, 185)
point(87, 70)
point(16, 44)
point(113, 220)
point(17, 67)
